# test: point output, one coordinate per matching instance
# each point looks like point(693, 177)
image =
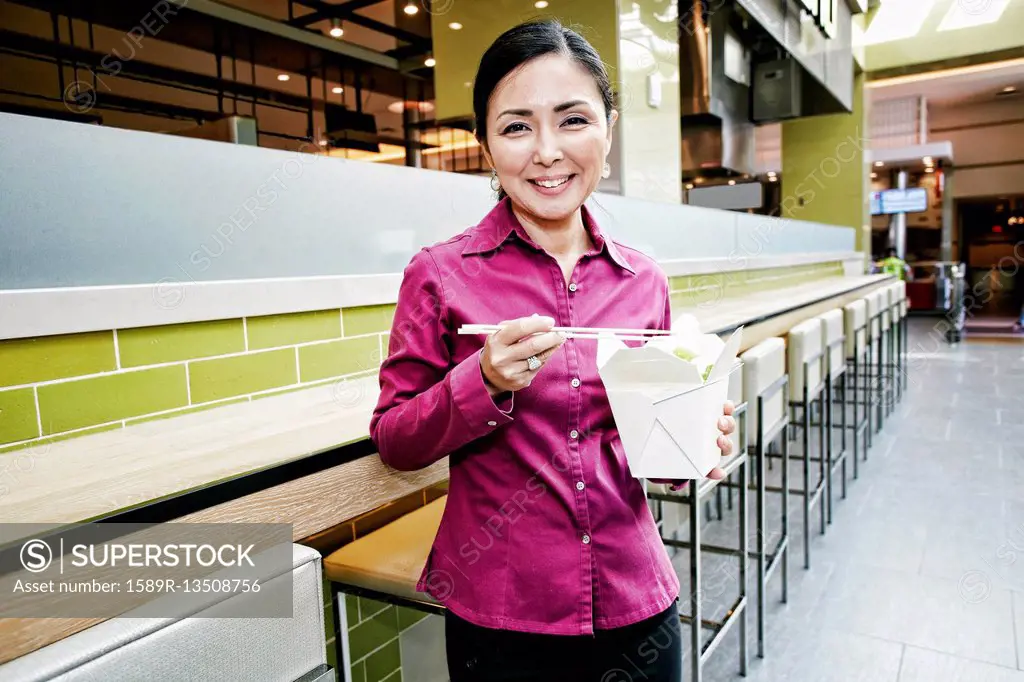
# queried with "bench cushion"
point(390, 559)
point(804, 343)
point(831, 333)
point(201, 643)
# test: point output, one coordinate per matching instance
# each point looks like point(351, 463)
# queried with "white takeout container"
point(667, 416)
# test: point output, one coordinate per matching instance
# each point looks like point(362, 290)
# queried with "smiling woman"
point(547, 556)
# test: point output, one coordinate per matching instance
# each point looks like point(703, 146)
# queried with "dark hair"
point(891, 251)
point(525, 42)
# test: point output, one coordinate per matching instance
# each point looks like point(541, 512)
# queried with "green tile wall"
point(335, 358)
point(29, 361)
point(171, 343)
point(96, 400)
point(18, 415)
point(241, 374)
point(273, 331)
point(368, 319)
point(384, 661)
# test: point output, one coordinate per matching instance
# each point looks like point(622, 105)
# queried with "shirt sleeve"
point(428, 409)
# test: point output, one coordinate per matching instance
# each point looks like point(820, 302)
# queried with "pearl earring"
point(495, 183)
point(607, 171)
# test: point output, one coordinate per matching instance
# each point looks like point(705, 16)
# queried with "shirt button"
point(586, 539)
point(572, 286)
point(492, 423)
point(575, 383)
point(579, 485)
point(574, 434)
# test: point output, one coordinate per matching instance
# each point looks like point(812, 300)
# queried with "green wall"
point(825, 176)
point(458, 52)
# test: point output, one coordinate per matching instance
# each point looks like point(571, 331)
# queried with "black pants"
point(648, 651)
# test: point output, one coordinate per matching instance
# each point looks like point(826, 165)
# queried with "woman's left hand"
point(726, 424)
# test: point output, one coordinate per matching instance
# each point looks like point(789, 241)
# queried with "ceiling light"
point(337, 89)
point(411, 8)
point(878, 164)
point(430, 61)
point(455, 26)
point(1009, 89)
point(689, 185)
point(772, 178)
point(732, 182)
point(771, 174)
point(398, 106)
point(929, 170)
point(283, 77)
point(541, 4)
point(323, 143)
point(928, 160)
point(874, 175)
point(336, 30)
point(897, 19)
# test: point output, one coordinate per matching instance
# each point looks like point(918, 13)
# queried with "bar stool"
point(873, 368)
point(901, 288)
point(888, 303)
point(897, 298)
point(764, 383)
point(832, 343)
point(736, 464)
point(806, 390)
point(855, 325)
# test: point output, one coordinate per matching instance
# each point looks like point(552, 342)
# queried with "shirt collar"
point(501, 222)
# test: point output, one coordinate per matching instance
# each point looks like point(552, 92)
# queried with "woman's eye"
point(576, 121)
point(514, 128)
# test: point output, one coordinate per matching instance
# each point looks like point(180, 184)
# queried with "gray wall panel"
point(86, 205)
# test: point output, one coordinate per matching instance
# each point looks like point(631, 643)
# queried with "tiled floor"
point(920, 577)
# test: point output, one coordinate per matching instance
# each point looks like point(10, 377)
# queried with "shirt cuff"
point(472, 400)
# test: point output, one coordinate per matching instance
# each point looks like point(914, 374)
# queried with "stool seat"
point(763, 365)
point(831, 333)
point(804, 346)
point(855, 315)
point(390, 559)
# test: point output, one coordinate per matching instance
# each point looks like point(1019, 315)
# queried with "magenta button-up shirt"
point(544, 529)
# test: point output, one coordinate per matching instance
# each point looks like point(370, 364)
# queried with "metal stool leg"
point(340, 664)
point(805, 438)
point(744, 557)
point(696, 613)
point(762, 543)
point(785, 514)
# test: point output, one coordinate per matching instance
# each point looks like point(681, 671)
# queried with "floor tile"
point(922, 665)
point(944, 615)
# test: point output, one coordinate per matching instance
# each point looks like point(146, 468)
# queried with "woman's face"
point(548, 136)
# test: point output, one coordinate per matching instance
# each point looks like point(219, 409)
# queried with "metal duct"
point(714, 75)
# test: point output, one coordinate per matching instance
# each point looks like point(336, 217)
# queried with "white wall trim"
point(28, 313)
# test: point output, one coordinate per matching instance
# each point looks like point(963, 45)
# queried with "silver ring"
point(533, 362)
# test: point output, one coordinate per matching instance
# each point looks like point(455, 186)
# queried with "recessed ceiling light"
point(732, 182)
point(689, 185)
point(455, 26)
point(878, 164)
point(541, 4)
point(1009, 89)
point(398, 106)
point(323, 143)
point(430, 62)
point(874, 175)
point(929, 170)
point(771, 174)
point(411, 8)
point(283, 77)
point(336, 30)
point(772, 178)
point(928, 160)
point(337, 89)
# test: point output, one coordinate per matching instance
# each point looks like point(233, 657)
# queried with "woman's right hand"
point(504, 357)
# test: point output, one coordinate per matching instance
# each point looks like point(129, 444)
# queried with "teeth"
point(551, 184)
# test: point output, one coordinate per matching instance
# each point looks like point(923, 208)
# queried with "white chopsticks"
point(578, 332)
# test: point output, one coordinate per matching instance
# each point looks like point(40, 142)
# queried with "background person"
point(547, 556)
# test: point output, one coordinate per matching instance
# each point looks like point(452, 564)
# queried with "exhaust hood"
point(714, 80)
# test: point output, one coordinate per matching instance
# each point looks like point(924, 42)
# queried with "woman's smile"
point(551, 185)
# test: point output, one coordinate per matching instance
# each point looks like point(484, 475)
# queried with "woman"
point(547, 556)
